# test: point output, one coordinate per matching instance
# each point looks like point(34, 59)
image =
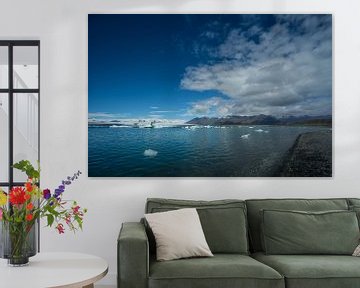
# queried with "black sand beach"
point(310, 156)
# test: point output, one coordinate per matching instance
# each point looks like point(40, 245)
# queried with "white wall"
point(4, 130)
point(61, 25)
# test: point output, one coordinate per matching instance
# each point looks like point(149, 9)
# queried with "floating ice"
point(121, 126)
point(193, 127)
point(150, 153)
point(251, 127)
point(245, 136)
point(259, 130)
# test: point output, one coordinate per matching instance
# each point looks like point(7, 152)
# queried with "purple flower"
point(58, 192)
point(64, 183)
point(46, 194)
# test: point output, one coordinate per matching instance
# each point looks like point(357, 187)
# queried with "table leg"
point(89, 286)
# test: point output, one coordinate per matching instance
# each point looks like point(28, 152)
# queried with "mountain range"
point(262, 119)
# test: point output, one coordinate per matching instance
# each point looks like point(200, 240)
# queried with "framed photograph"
point(210, 95)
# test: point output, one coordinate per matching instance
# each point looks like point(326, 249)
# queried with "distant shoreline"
point(107, 125)
point(230, 120)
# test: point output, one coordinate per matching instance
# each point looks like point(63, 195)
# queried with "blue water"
point(205, 152)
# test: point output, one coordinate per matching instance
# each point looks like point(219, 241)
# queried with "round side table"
point(50, 270)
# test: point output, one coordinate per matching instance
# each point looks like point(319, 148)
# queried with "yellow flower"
point(3, 198)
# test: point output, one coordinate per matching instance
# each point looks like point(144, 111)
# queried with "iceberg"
point(150, 153)
point(121, 126)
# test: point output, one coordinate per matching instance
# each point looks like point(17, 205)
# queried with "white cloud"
point(155, 116)
point(215, 106)
point(163, 111)
point(106, 115)
point(285, 69)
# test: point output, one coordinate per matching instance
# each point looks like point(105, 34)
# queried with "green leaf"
point(52, 211)
point(50, 219)
point(79, 221)
point(26, 167)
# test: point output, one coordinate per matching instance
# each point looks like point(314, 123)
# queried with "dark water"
point(203, 152)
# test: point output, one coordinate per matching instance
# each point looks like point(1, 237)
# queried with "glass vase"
point(18, 242)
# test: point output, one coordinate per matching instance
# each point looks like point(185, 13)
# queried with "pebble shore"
point(310, 156)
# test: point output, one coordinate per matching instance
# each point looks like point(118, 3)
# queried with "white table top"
point(68, 270)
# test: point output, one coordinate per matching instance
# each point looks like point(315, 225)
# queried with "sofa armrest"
point(133, 256)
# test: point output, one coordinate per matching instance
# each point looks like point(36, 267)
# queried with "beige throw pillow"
point(357, 251)
point(178, 234)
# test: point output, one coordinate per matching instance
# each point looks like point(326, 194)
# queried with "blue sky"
point(186, 66)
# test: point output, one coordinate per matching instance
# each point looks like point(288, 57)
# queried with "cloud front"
point(281, 69)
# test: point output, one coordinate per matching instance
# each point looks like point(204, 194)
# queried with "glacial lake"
point(228, 151)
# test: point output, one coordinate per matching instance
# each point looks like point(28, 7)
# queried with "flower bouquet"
point(21, 208)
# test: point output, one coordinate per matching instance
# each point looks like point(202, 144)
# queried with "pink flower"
point(60, 228)
point(75, 209)
point(1, 212)
point(68, 219)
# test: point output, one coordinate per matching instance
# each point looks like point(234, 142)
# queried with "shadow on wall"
point(175, 6)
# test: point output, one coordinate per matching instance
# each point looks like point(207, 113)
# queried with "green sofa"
point(233, 230)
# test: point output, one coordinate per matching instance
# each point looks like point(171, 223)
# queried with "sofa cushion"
point(356, 209)
point(353, 201)
point(297, 232)
point(314, 271)
point(223, 221)
point(354, 205)
point(254, 207)
point(222, 270)
point(178, 234)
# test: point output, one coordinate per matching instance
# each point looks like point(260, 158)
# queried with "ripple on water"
point(185, 152)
